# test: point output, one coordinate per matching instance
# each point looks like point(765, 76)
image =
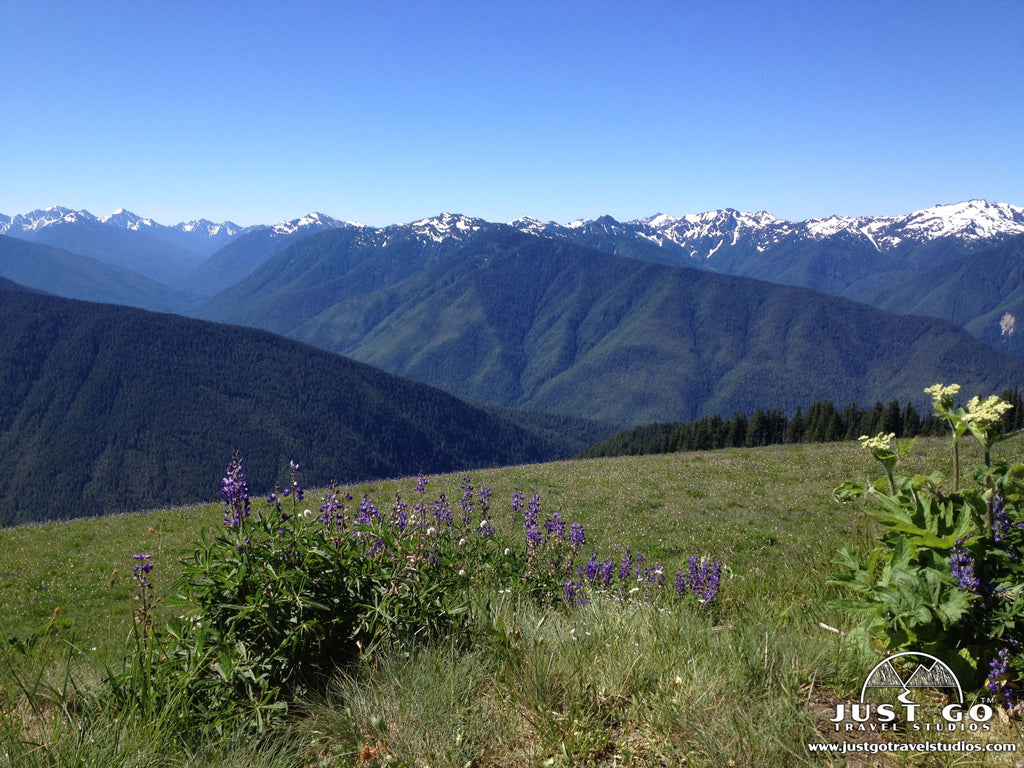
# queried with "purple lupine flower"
point(484, 527)
point(533, 538)
point(962, 564)
point(484, 495)
point(572, 593)
point(625, 566)
point(591, 570)
point(399, 515)
point(532, 531)
point(997, 670)
point(421, 484)
point(655, 575)
point(712, 579)
point(332, 511)
point(1001, 522)
point(577, 536)
point(555, 526)
point(141, 568)
point(295, 490)
point(434, 556)
point(235, 493)
point(680, 581)
point(638, 568)
point(607, 572)
point(442, 514)
point(533, 508)
point(368, 511)
point(702, 579)
point(518, 502)
point(466, 502)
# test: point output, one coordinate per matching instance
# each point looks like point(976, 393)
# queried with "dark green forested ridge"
point(106, 409)
point(822, 422)
point(982, 291)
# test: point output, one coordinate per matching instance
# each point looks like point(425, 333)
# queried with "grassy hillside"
point(610, 684)
point(106, 409)
point(738, 504)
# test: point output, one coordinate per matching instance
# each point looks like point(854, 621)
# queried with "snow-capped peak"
point(530, 225)
point(32, 221)
point(446, 225)
point(127, 220)
point(311, 222)
point(972, 219)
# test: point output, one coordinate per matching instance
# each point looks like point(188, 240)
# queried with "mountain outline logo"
point(930, 672)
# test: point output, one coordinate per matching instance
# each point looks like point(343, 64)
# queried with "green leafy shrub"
point(946, 576)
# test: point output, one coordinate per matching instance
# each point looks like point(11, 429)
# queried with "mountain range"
point(543, 337)
point(852, 256)
point(454, 301)
point(549, 325)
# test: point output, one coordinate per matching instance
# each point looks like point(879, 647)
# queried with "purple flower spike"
point(235, 493)
point(141, 568)
point(626, 565)
point(572, 593)
point(577, 536)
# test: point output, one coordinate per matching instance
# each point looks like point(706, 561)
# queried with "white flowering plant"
point(947, 575)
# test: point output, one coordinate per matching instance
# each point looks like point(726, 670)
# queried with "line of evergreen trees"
point(821, 423)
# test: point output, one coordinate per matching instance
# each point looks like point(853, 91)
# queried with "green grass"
point(745, 684)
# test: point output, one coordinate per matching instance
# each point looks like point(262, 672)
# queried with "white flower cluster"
point(986, 413)
point(942, 397)
point(879, 444)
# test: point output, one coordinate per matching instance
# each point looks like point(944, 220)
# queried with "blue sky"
point(386, 112)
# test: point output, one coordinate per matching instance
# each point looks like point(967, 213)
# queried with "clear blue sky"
point(386, 112)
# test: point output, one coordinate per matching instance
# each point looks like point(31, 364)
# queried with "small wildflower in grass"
point(141, 568)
